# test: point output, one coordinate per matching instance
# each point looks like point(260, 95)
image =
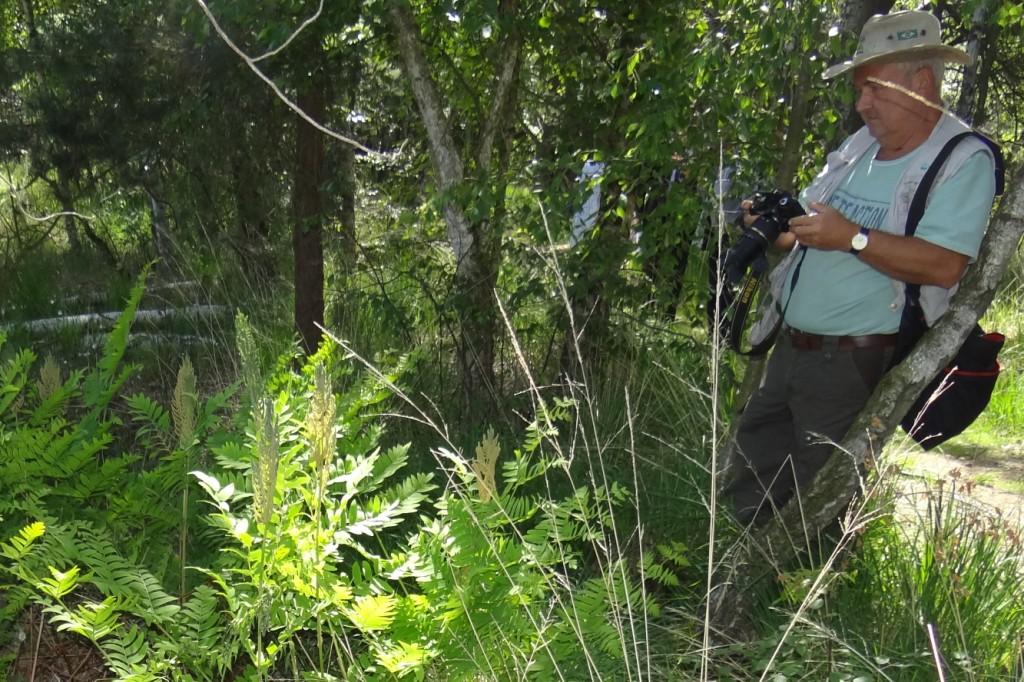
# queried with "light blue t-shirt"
point(839, 294)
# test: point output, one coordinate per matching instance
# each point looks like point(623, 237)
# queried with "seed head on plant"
point(320, 424)
point(49, 378)
point(183, 404)
point(483, 466)
point(265, 479)
point(248, 354)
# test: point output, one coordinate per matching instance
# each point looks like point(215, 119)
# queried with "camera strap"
point(746, 297)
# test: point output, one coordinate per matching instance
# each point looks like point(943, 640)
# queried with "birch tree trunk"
point(839, 480)
point(976, 42)
point(474, 244)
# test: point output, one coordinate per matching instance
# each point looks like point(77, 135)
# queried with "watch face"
point(859, 241)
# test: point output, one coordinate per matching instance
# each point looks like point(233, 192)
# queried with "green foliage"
point(331, 558)
point(955, 573)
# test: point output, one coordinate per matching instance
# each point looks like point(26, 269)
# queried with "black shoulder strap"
point(917, 205)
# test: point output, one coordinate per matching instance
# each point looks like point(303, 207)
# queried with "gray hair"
point(936, 64)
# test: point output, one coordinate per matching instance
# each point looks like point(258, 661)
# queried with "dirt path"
point(992, 476)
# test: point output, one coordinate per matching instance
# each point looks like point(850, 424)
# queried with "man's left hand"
point(824, 228)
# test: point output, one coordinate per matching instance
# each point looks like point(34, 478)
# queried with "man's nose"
point(863, 101)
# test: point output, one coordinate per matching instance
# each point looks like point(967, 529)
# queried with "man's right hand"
point(785, 240)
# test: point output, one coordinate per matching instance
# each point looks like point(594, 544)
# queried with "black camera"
point(773, 210)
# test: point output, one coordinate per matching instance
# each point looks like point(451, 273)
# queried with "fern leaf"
point(124, 652)
point(372, 613)
point(21, 544)
point(405, 658)
point(387, 464)
point(92, 620)
point(151, 419)
point(60, 583)
point(13, 377)
point(117, 339)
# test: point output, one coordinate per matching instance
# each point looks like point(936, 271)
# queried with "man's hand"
point(823, 228)
point(785, 240)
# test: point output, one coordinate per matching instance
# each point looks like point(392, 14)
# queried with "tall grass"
point(945, 566)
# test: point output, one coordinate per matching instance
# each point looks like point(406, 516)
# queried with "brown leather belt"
point(804, 341)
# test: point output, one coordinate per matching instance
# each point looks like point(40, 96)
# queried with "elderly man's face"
point(890, 116)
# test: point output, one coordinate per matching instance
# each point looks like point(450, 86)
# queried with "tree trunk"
point(475, 244)
point(307, 210)
point(838, 481)
point(161, 235)
point(348, 207)
point(855, 14)
point(789, 159)
point(979, 115)
point(976, 43)
point(62, 191)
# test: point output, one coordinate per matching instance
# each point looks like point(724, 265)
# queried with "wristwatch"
point(859, 241)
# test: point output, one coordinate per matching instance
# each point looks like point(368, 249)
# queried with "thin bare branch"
point(305, 24)
point(251, 63)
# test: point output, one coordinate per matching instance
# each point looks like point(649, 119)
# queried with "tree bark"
point(979, 114)
point(159, 230)
point(854, 15)
point(474, 244)
point(347, 190)
point(307, 209)
point(976, 42)
point(789, 159)
point(839, 480)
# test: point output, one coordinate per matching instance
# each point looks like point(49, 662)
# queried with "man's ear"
point(923, 81)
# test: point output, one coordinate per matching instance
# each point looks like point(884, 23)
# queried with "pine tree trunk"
point(307, 209)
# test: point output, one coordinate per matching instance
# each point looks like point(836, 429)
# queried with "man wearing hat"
point(842, 288)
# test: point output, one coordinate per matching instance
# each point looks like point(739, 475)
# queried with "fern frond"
point(150, 418)
point(385, 465)
point(124, 652)
point(117, 340)
point(405, 658)
point(372, 613)
point(18, 547)
point(92, 620)
point(138, 589)
point(13, 377)
point(388, 510)
point(52, 405)
point(232, 455)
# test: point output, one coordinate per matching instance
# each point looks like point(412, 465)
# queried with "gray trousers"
point(806, 404)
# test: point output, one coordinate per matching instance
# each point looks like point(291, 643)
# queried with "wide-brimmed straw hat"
point(900, 36)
